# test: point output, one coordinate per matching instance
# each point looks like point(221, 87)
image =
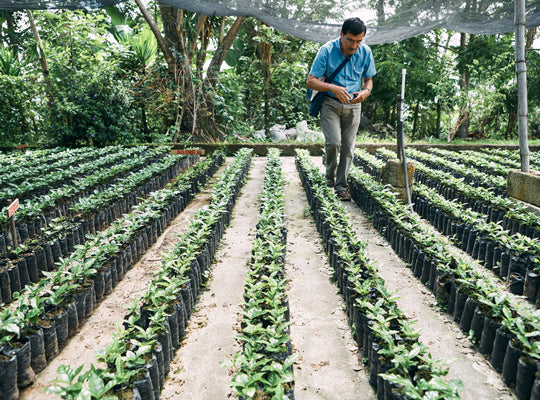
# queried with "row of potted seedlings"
point(400, 367)
point(21, 166)
point(36, 212)
point(34, 204)
point(508, 333)
point(31, 221)
point(137, 361)
point(25, 264)
point(513, 257)
point(264, 367)
point(512, 214)
point(48, 313)
point(470, 175)
point(39, 179)
point(477, 160)
point(511, 158)
point(35, 155)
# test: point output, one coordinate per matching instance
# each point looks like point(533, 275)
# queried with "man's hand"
point(360, 96)
point(341, 94)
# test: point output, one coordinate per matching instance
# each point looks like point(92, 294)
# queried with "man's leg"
point(331, 127)
point(349, 128)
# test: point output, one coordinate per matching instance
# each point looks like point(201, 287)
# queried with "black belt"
point(336, 99)
point(333, 98)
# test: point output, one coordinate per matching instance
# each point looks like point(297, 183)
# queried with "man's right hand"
point(341, 94)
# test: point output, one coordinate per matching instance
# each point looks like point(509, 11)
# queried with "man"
point(340, 110)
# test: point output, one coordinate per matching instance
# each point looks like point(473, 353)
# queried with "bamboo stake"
point(521, 71)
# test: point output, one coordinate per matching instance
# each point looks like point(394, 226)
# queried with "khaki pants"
point(339, 123)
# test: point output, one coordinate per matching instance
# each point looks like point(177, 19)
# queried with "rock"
point(277, 133)
point(290, 133)
point(300, 133)
point(306, 135)
point(259, 135)
point(302, 127)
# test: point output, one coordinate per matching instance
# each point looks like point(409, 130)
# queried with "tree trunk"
point(464, 84)
point(438, 124)
point(39, 45)
point(380, 12)
point(266, 113)
point(42, 58)
point(179, 69)
point(185, 56)
point(207, 118)
point(415, 123)
point(222, 50)
point(512, 119)
point(161, 42)
point(201, 54)
point(531, 34)
point(221, 30)
point(147, 134)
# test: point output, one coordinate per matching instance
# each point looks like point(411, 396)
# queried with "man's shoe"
point(343, 195)
point(330, 183)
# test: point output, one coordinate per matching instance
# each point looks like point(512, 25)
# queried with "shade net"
point(320, 20)
point(55, 4)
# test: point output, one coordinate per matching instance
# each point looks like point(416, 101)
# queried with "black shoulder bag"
point(316, 98)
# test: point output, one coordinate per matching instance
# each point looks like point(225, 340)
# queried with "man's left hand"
point(360, 96)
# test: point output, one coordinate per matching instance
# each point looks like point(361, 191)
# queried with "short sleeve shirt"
point(330, 56)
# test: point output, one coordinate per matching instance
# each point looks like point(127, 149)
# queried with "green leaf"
point(116, 15)
point(85, 394)
point(96, 385)
point(290, 361)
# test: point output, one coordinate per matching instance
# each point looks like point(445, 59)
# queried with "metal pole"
point(521, 72)
point(401, 141)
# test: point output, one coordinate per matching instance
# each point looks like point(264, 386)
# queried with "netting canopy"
point(387, 20)
point(320, 20)
point(54, 4)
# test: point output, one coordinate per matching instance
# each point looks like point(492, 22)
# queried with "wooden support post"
point(12, 207)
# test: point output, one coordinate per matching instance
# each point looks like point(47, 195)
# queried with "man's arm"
point(365, 92)
point(339, 91)
point(368, 84)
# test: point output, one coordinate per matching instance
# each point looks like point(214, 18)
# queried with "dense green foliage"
point(91, 108)
point(108, 82)
point(17, 109)
point(249, 96)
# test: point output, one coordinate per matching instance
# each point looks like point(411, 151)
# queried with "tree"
point(266, 84)
point(462, 126)
point(185, 45)
point(490, 60)
point(89, 102)
point(428, 82)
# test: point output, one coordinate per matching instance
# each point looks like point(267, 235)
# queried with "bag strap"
point(329, 80)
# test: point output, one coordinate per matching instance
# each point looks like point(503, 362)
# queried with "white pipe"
point(403, 73)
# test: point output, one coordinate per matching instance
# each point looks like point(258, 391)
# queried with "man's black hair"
point(353, 25)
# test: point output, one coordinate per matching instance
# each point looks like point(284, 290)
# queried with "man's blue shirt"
point(330, 56)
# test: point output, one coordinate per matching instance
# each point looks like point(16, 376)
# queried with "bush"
point(17, 111)
point(90, 108)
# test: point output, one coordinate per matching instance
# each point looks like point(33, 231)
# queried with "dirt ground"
point(328, 367)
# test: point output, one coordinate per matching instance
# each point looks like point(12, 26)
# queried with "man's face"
point(350, 42)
